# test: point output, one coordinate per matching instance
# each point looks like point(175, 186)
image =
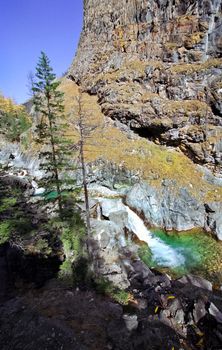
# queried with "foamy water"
point(162, 253)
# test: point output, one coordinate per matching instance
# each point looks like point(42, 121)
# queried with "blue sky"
point(30, 26)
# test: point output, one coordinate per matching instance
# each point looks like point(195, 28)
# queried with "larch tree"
point(83, 133)
point(85, 126)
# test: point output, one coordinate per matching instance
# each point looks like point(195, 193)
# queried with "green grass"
point(73, 232)
point(66, 273)
point(42, 247)
point(105, 287)
point(5, 231)
point(145, 254)
point(16, 221)
point(74, 268)
point(7, 203)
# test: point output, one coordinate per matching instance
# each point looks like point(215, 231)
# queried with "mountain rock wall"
point(156, 66)
point(153, 29)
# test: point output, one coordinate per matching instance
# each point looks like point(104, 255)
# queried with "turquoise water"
point(53, 195)
point(202, 253)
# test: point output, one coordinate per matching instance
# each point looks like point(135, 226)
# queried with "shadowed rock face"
point(156, 66)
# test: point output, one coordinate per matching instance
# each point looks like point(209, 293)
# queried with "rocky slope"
point(117, 156)
point(54, 317)
point(151, 71)
point(160, 311)
point(156, 66)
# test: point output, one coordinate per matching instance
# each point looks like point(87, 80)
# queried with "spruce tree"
point(49, 104)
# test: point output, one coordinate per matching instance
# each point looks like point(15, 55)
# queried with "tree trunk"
point(82, 160)
point(86, 195)
point(58, 189)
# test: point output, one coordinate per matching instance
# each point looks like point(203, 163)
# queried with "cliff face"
point(156, 66)
point(153, 29)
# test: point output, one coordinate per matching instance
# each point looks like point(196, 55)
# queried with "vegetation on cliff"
point(14, 120)
point(150, 161)
point(148, 87)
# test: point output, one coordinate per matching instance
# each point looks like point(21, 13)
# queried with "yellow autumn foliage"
point(151, 161)
point(7, 105)
point(14, 119)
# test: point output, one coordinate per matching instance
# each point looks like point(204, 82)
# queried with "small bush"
point(42, 247)
point(72, 236)
point(66, 273)
point(105, 287)
point(21, 225)
point(121, 296)
point(5, 231)
point(75, 268)
point(7, 203)
point(145, 254)
point(14, 124)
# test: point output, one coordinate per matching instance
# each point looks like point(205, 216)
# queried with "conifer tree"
point(49, 104)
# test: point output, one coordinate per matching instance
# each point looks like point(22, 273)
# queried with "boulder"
point(12, 155)
point(108, 240)
point(106, 233)
point(217, 314)
point(142, 272)
point(214, 218)
point(173, 315)
point(166, 209)
point(199, 310)
point(197, 281)
point(12, 180)
point(131, 322)
point(110, 206)
point(119, 217)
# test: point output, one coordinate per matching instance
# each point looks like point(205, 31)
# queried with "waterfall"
point(211, 26)
point(162, 253)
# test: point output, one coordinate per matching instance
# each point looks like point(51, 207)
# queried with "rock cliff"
point(151, 75)
point(156, 67)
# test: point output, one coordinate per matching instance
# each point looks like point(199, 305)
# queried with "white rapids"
point(162, 253)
